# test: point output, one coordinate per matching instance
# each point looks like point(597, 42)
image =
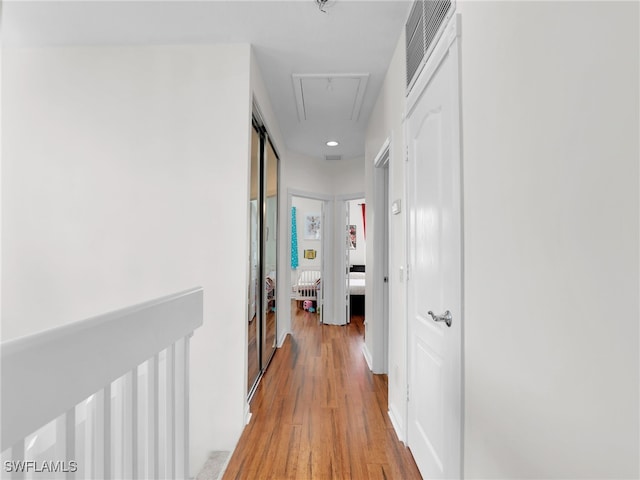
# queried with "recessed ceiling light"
point(332, 143)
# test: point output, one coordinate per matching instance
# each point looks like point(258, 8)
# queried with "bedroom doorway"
point(355, 257)
point(308, 254)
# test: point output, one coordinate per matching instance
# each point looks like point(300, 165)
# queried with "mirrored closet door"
point(270, 251)
point(263, 254)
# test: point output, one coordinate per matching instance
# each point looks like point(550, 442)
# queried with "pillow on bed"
point(357, 275)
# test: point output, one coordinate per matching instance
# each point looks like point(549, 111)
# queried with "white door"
point(323, 249)
point(435, 242)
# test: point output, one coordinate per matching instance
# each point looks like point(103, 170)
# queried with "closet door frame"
point(265, 142)
point(261, 300)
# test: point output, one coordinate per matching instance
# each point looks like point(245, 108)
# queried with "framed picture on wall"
point(310, 254)
point(352, 236)
point(312, 226)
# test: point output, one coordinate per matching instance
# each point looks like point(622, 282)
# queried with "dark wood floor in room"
point(319, 413)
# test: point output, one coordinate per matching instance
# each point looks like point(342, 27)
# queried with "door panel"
point(347, 262)
point(435, 375)
point(270, 254)
point(253, 363)
point(263, 259)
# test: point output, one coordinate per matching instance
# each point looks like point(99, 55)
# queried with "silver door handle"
point(446, 317)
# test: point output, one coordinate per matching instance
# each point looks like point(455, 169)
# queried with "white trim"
point(297, 79)
point(283, 337)
point(312, 195)
point(404, 415)
point(78, 359)
point(379, 324)
point(381, 161)
point(433, 45)
point(339, 261)
point(397, 425)
point(367, 356)
point(441, 49)
point(327, 251)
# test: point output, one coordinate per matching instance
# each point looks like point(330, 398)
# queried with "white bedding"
point(356, 283)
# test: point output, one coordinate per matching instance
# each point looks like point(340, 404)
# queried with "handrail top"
point(18, 344)
point(73, 361)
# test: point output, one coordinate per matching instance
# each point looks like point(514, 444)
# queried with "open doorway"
point(355, 257)
point(307, 254)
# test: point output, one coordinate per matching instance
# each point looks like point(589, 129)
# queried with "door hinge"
point(406, 156)
point(407, 392)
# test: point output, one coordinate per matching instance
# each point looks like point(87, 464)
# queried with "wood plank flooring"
point(319, 413)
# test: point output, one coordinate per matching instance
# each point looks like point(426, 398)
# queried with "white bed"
point(356, 289)
point(356, 283)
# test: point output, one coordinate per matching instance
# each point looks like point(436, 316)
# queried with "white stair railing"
point(106, 397)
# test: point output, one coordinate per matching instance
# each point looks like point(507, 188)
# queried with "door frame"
point(326, 246)
point(340, 261)
point(378, 359)
point(445, 43)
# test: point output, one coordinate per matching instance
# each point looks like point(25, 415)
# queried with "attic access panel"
point(329, 96)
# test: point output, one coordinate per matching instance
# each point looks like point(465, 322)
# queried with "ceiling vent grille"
point(333, 157)
point(423, 28)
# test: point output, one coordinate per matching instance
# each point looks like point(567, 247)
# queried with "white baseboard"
point(332, 321)
point(367, 356)
point(247, 414)
point(282, 339)
point(397, 424)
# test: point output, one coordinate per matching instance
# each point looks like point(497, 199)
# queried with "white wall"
point(324, 177)
point(550, 128)
point(304, 207)
point(550, 131)
point(116, 162)
point(346, 176)
point(386, 123)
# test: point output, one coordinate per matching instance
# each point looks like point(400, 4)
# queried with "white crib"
point(307, 284)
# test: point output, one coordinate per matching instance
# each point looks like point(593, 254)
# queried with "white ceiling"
point(354, 37)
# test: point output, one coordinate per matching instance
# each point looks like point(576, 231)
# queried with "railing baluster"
point(107, 432)
point(180, 377)
point(98, 452)
point(86, 463)
point(117, 418)
point(134, 424)
point(69, 438)
point(153, 418)
point(17, 454)
point(127, 430)
point(60, 447)
point(103, 414)
point(170, 445)
point(186, 416)
point(162, 414)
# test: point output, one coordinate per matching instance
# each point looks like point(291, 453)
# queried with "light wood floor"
point(319, 413)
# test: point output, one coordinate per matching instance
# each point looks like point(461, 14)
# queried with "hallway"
point(319, 413)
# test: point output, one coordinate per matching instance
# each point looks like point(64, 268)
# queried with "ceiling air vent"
point(423, 28)
point(333, 157)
